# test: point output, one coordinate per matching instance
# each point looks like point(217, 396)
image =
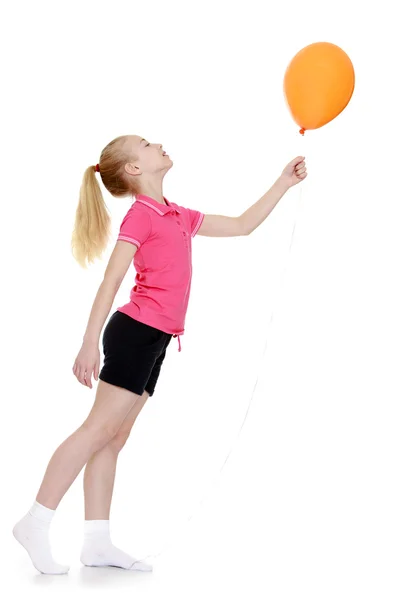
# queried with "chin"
point(167, 167)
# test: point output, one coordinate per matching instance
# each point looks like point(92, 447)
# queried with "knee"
point(98, 436)
point(118, 441)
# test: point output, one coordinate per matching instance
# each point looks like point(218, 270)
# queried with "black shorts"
point(133, 353)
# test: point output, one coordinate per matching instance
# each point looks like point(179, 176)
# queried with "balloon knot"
point(302, 130)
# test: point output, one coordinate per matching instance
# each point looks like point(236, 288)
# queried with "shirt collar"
point(161, 209)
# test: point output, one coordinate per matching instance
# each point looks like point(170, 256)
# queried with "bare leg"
point(100, 469)
point(98, 549)
point(110, 408)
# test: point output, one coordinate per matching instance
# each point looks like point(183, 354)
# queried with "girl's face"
point(151, 157)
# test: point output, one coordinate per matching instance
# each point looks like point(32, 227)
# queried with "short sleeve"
point(135, 227)
point(196, 218)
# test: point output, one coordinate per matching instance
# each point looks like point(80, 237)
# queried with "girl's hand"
point(87, 363)
point(294, 172)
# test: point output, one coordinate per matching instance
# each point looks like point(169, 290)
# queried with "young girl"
point(157, 234)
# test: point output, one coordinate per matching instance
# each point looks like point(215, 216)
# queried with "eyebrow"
point(142, 140)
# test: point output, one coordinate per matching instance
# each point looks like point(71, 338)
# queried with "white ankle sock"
point(99, 551)
point(32, 532)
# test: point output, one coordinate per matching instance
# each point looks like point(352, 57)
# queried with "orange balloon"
point(318, 84)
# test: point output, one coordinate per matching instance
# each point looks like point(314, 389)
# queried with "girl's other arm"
point(115, 272)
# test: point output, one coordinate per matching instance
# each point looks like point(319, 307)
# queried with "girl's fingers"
point(89, 379)
point(81, 375)
point(301, 171)
point(84, 376)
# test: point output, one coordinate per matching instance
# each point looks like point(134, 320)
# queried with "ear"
point(132, 169)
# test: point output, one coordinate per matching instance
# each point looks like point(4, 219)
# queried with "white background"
point(308, 504)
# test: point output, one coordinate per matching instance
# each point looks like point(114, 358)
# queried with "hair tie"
point(97, 168)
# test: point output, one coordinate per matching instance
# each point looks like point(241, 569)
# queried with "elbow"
point(246, 231)
point(111, 283)
point(243, 229)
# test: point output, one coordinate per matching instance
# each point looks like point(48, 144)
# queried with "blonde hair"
point(92, 227)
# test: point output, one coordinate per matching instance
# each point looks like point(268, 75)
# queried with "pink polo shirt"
point(163, 262)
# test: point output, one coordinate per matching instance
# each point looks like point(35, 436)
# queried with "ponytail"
point(92, 227)
point(92, 221)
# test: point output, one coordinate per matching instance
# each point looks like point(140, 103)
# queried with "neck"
point(154, 190)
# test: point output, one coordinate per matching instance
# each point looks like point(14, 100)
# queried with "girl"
point(157, 234)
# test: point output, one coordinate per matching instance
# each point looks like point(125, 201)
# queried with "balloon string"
point(254, 388)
